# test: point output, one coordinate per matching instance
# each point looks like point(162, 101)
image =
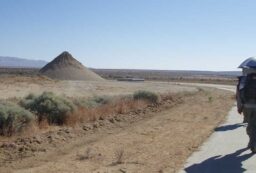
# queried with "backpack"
point(248, 89)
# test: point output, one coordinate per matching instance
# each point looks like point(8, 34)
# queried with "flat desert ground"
point(22, 86)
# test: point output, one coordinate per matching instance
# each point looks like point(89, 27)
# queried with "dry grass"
point(84, 110)
point(114, 106)
point(120, 106)
point(43, 124)
point(20, 86)
point(119, 157)
point(87, 155)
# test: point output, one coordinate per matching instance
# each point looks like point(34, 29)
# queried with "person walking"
point(246, 99)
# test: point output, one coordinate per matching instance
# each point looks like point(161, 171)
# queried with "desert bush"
point(28, 101)
point(147, 96)
point(92, 102)
point(30, 96)
point(47, 105)
point(87, 155)
point(101, 100)
point(210, 99)
point(13, 118)
point(119, 157)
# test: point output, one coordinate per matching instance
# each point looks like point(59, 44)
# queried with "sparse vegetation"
point(54, 108)
point(97, 123)
point(13, 118)
point(92, 102)
point(31, 96)
point(210, 99)
point(107, 107)
point(146, 95)
point(49, 108)
point(60, 110)
point(85, 156)
point(200, 89)
point(119, 157)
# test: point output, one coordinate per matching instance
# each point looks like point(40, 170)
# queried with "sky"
point(214, 35)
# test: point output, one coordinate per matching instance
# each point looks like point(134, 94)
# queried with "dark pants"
point(250, 115)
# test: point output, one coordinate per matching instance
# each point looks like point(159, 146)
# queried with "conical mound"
point(65, 67)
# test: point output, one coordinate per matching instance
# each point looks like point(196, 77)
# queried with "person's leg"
point(251, 129)
point(245, 117)
point(247, 113)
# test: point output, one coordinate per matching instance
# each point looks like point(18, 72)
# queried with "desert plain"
point(151, 138)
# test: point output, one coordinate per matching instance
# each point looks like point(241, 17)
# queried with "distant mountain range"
point(14, 62)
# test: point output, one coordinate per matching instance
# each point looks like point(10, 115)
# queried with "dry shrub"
point(43, 124)
point(175, 97)
point(60, 110)
point(147, 96)
point(104, 111)
point(166, 97)
point(13, 118)
point(31, 129)
point(119, 157)
point(87, 155)
point(130, 105)
point(92, 102)
point(48, 106)
point(83, 114)
point(117, 106)
point(79, 116)
point(122, 107)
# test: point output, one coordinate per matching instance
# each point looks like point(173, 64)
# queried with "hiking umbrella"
point(249, 63)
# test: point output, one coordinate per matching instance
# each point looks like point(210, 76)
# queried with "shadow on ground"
point(229, 127)
point(221, 164)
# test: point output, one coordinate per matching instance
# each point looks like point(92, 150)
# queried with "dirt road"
point(159, 142)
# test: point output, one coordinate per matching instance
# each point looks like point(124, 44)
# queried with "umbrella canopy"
point(249, 63)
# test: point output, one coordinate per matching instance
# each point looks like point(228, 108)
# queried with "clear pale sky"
point(136, 34)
